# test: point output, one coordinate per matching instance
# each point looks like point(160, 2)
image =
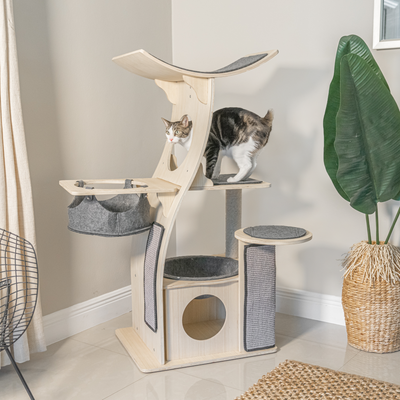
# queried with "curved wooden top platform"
point(144, 64)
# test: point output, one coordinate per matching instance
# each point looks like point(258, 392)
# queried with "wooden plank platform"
point(145, 185)
point(150, 185)
point(261, 185)
point(147, 362)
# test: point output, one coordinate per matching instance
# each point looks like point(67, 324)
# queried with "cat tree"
point(177, 322)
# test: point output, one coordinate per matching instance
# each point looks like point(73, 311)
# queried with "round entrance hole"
point(204, 317)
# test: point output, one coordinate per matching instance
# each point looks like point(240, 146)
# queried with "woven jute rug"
point(296, 380)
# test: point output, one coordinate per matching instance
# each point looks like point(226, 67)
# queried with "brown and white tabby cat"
point(237, 133)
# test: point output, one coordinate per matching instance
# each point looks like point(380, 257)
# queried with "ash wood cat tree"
point(164, 344)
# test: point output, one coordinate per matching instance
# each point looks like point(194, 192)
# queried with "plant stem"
point(377, 224)
point(392, 227)
point(369, 228)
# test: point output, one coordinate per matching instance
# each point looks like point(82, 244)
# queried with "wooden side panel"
point(167, 206)
point(201, 90)
point(201, 115)
point(200, 181)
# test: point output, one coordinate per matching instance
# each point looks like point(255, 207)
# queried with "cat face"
point(179, 131)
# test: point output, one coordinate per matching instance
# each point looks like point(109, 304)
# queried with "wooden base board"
point(147, 362)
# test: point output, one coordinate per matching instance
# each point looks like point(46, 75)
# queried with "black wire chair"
point(19, 284)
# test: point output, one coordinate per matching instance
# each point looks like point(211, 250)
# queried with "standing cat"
point(237, 133)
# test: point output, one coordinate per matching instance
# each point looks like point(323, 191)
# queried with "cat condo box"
point(201, 294)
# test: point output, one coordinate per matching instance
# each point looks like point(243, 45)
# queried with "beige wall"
point(210, 34)
point(85, 117)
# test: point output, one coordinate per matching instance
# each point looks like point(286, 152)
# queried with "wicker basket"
point(372, 313)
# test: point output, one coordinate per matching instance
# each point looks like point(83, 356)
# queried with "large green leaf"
point(367, 136)
point(351, 44)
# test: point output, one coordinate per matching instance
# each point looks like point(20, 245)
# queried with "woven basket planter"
point(371, 298)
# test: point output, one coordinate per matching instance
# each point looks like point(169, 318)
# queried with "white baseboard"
point(300, 303)
point(72, 320)
point(79, 317)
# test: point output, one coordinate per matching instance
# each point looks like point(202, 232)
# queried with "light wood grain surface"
point(145, 185)
point(147, 362)
point(144, 64)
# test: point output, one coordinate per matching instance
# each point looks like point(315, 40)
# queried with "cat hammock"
point(178, 322)
point(122, 215)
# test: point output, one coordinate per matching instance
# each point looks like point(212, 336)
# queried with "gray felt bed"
point(193, 268)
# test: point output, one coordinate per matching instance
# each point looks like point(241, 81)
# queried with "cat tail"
point(269, 117)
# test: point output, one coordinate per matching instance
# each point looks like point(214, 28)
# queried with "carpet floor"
point(297, 380)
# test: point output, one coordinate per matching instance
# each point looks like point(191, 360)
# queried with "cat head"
point(179, 131)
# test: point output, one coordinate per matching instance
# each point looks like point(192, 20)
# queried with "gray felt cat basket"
point(122, 215)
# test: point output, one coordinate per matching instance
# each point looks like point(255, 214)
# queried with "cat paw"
point(231, 179)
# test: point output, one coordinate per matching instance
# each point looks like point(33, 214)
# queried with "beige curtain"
point(16, 207)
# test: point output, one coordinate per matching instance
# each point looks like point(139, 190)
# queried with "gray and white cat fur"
point(235, 132)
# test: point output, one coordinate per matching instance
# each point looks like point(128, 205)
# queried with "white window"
point(386, 24)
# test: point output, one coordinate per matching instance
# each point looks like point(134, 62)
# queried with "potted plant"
point(362, 158)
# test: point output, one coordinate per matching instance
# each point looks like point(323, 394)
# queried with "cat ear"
point(166, 123)
point(269, 117)
point(185, 121)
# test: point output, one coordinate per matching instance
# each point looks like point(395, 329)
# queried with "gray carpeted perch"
point(274, 232)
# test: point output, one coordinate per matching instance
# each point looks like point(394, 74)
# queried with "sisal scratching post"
point(233, 221)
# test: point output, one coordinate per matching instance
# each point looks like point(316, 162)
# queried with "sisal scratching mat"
point(259, 299)
point(296, 380)
point(150, 275)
